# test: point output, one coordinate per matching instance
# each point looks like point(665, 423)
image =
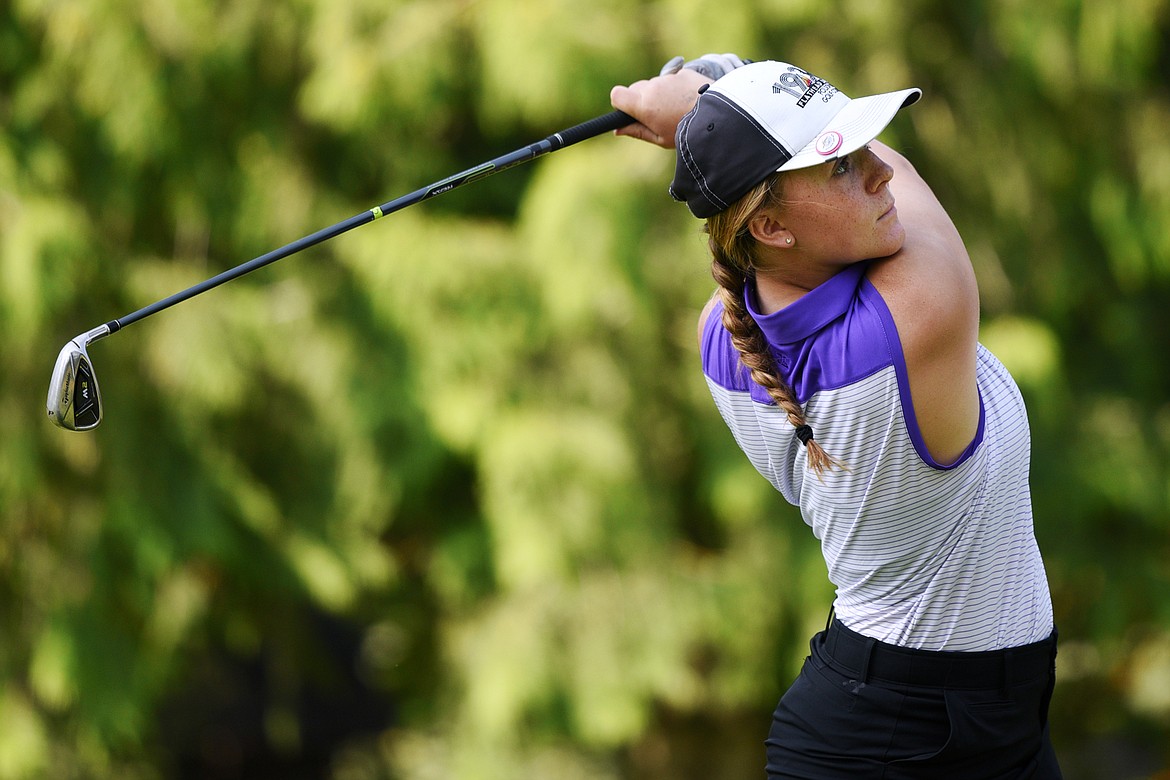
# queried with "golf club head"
point(74, 401)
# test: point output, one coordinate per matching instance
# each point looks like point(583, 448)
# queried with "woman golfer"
point(841, 349)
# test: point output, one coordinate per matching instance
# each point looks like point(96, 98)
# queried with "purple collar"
point(812, 312)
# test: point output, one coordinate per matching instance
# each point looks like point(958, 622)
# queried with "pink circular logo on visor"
point(829, 143)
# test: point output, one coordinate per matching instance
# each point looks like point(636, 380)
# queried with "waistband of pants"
point(866, 659)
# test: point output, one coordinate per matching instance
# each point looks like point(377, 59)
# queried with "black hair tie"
point(804, 433)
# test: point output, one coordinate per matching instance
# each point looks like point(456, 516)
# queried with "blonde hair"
point(733, 264)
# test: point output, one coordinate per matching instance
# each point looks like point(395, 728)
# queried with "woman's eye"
point(842, 167)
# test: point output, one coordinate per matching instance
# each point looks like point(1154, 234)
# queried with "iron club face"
point(74, 401)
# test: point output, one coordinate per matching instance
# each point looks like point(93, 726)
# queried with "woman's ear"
point(766, 228)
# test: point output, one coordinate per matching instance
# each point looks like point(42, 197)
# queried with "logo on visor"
point(829, 143)
point(803, 86)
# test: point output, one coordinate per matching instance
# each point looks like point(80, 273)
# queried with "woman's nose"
point(879, 171)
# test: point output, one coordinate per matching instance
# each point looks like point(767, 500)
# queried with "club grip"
point(589, 128)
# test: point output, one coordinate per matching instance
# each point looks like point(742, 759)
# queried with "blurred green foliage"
point(446, 497)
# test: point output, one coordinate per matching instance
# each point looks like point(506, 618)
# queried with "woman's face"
point(842, 211)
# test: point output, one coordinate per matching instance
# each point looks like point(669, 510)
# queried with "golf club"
point(74, 401)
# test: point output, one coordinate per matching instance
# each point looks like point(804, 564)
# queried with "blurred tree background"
point(446, 497)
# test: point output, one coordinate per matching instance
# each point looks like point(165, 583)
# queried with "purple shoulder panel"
point(831, 337)
point(835, 335)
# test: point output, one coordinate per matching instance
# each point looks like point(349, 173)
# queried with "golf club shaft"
point(567, 137)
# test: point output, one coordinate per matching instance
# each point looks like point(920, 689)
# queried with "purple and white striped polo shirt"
point(924, 555)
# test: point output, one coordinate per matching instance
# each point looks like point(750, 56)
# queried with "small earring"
point(788, 241)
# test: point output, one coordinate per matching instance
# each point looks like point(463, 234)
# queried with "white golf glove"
point(712, 66)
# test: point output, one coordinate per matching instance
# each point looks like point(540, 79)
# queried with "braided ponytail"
point(732, 265)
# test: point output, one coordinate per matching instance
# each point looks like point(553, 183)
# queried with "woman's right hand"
point(658, 104)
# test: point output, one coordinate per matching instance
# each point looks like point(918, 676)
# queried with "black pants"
point(865, 709)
